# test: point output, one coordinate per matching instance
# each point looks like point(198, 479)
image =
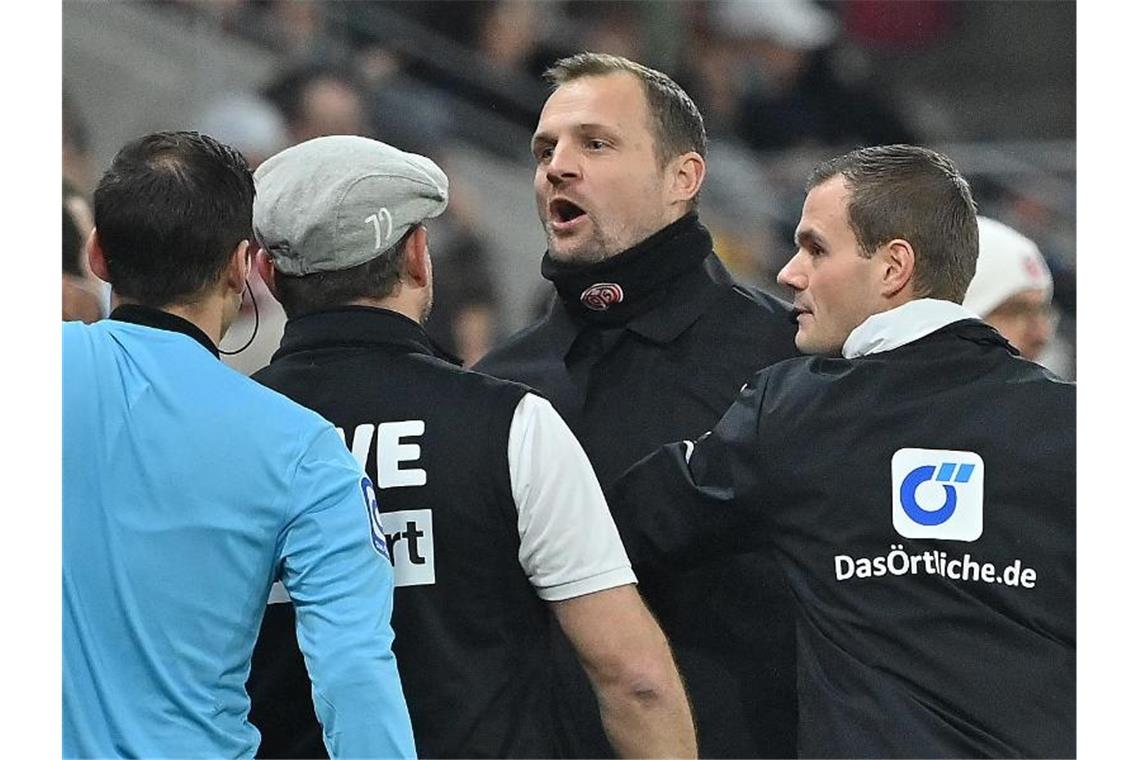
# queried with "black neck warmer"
point(615, 290)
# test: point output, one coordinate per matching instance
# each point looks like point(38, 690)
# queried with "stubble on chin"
point(586, 252)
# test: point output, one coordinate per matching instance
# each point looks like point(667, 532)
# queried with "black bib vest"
point(471, 635)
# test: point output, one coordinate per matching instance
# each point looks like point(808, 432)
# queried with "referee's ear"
point(95, 258)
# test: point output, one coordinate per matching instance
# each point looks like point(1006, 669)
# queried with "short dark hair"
point(169, 213)
point(916, 194)
point(677, 124)
point(375, 278)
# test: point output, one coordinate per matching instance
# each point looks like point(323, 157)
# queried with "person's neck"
point(408, 307)
point(207, 314)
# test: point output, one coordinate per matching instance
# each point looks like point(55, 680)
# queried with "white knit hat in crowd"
point(1008, 263)
point(794, 24)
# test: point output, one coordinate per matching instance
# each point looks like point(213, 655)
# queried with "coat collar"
point(615, 291)
point(904, 324)
point(162, 320)
point(684, 300)
point(358, 327)
point(670, 306)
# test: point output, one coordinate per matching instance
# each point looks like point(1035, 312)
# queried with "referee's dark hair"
point(677, 124)
point(376, 278)
point(169, 213)
point(916, 194)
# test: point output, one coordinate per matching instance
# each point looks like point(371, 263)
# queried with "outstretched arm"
point(693, 501)
point(625, 654)
point(571, 552)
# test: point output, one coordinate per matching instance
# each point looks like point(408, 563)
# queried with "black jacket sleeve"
point(693, 502)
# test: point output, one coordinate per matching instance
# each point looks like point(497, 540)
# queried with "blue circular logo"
point(910, 484)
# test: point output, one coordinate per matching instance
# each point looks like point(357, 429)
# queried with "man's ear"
point(688, 172)
point(417, 259)
point(239, 267)
point(95, 259)
point(263, 263)
point(898, 268)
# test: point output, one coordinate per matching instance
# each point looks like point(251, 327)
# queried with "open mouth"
point(563, 211)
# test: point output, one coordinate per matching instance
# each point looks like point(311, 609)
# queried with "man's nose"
point(791, 276)
point(563, 166)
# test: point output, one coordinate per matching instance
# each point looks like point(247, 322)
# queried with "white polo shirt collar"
point(903, 324)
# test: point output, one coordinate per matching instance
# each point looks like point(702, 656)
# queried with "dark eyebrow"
point(803, 237)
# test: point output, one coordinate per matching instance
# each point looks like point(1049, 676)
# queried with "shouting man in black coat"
point(649, 341)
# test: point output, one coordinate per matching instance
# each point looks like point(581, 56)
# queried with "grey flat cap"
point(337, 202)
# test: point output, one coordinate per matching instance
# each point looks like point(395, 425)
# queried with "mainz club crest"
point(602, 296)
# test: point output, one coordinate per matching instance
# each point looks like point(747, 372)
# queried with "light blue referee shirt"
point(187, 490)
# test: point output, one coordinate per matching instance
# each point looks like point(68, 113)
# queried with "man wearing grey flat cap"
point(492, 515)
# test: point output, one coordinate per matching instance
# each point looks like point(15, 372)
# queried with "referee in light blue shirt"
point(188, 490)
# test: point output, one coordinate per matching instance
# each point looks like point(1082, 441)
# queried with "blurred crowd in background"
point(781, 84)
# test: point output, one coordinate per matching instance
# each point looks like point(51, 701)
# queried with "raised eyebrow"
point(599, 130)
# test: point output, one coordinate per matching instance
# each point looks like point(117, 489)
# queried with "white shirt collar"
point(901, 325)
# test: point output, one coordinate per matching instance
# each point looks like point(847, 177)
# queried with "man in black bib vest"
point(649, 341)
point(490, 512)
point(917, 478)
